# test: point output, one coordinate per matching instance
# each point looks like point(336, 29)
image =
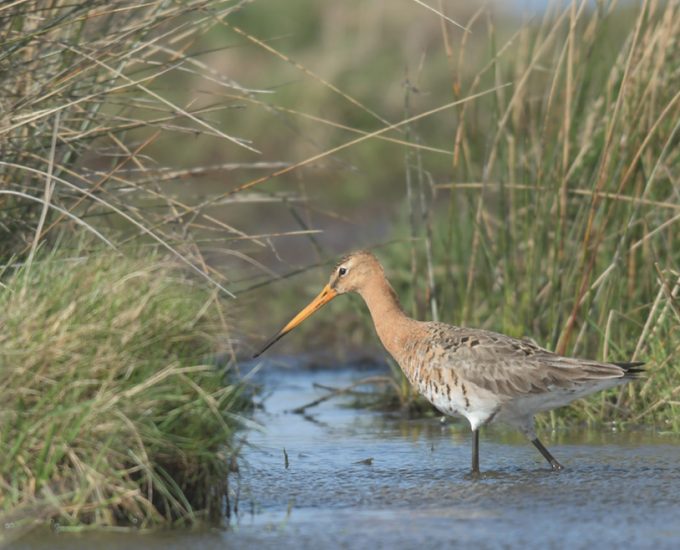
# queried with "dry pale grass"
point(572, 208)
point(559, 217)
point(89, 98)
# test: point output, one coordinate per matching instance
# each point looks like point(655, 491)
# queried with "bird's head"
point(351, 274)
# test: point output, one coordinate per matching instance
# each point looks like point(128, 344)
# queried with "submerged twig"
point(345, 390)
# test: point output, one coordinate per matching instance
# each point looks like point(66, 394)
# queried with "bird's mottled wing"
point(509, 366)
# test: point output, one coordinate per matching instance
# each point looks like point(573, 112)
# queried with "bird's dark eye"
point(342, 271)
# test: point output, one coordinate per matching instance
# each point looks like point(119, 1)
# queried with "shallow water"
point(617, 488)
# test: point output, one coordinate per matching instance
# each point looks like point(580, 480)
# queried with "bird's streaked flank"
point(481, 375)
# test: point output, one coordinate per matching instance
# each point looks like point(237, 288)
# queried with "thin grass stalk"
point(588, 255)
point(410, 202)
point(49, 187)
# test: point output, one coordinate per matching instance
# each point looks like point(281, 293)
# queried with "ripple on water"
point(618, 489)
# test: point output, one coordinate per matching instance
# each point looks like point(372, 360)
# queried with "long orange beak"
point(325, 296)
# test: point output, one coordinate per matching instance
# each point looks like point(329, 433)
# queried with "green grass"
point(563, 204)
point(111, 413)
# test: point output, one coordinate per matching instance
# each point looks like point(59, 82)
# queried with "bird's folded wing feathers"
point(510, 367)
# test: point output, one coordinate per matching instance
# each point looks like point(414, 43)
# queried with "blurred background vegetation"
point(515, 165)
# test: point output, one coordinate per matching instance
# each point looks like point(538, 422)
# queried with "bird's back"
point(461, 370)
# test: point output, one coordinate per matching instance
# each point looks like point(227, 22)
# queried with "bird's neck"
point(391, 323)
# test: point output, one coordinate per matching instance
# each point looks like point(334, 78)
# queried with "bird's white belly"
point(462, 400)
point(480, 406)
point(530, 404)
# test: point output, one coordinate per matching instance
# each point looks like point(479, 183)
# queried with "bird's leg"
point(556, 466)
point(475, 452)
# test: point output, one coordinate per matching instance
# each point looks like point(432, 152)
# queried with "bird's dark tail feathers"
point(633, 369)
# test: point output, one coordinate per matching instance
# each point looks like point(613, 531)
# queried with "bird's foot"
point(556, 466)
point(475, 475)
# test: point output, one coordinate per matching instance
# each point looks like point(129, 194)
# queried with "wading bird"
point(481, 375)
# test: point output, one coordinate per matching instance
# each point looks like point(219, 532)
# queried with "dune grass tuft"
point(110, 411)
